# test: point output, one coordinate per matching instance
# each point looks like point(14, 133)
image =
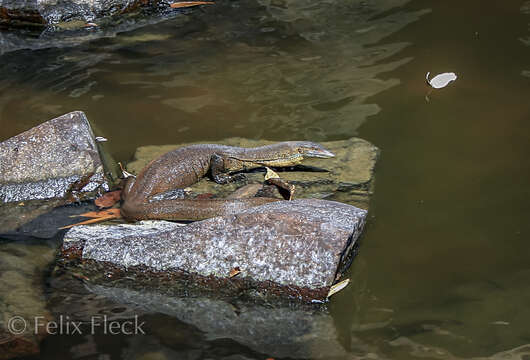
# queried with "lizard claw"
point(225, 179)
point(239, 177)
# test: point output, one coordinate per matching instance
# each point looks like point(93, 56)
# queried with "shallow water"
point(443, 267)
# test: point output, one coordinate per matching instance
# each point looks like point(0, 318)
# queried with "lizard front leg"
point(220, 173)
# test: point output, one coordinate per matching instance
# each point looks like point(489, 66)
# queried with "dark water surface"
point(443, 271)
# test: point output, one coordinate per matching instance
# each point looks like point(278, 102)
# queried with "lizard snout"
point(319, 153)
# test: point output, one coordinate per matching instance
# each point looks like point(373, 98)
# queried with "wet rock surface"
point(178, 323)
point(53, 12)
point(50, 23)
point(279, 331)
point(75, 32)
point(58, 159)
point(348, 177)
point(299, 243)
point(39, 218)
point(14, 215)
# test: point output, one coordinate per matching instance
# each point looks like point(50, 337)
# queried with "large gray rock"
point(58, 159)
point(302, 245)
point(348, 177)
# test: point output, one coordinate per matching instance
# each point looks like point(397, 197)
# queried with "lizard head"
point(311, 149)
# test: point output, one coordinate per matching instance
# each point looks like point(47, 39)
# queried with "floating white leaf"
point(441, 80)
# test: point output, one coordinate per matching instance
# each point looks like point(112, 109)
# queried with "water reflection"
point(455, 283)
point(296, 70)
point(443, 269)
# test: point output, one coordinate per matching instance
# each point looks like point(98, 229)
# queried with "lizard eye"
point(304, 149)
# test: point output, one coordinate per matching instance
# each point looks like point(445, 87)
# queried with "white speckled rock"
point(297, 243)
point(50, 159)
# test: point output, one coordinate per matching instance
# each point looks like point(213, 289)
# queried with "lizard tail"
point(189, 209)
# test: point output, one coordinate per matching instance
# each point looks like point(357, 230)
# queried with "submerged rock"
point(299, 247)
point(347, 177)
point(22, 298)
point(39, 218)
point(280, 331)
point(52, 23)
point(203, 326)
point(54, 12)
point(58, 159)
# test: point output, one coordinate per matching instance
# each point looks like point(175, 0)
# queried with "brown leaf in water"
point(185, 4)
point(234, 271)
point(273, 178)
point(108, 199)
point(288, 189)
point(97, 216)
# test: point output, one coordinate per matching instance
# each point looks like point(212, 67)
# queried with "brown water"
point(443, 270)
